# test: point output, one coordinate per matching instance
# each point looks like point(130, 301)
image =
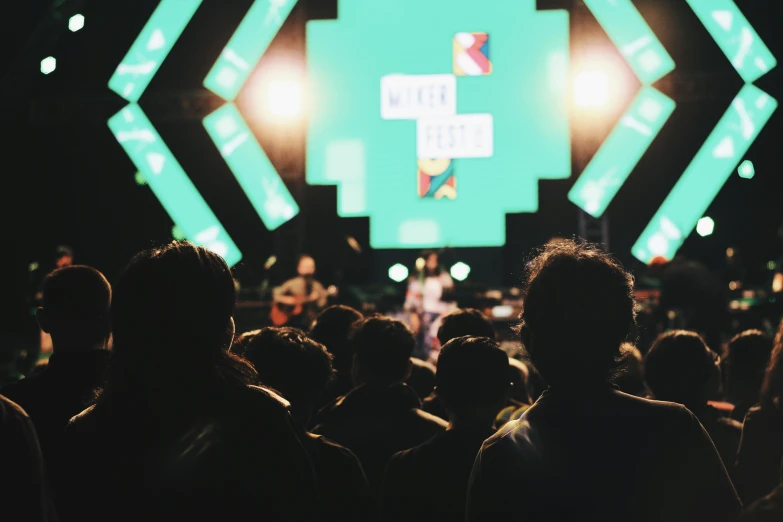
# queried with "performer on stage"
point(424, 301)
point(298, 300)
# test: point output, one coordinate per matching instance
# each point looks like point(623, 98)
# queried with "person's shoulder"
point(10, 409)
point(263, 397)
point(730, 425)
point(83, 422)
point(332, 450)
point(436, 423)
point(652, 409)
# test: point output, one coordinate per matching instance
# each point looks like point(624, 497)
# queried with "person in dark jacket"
point(429, 482)
point(75, 312)
point(382, 415)
point(300, 369)
point(680, 367)
point(585, 451)
point(179, 431)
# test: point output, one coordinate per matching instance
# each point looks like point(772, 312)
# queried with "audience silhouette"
point(429, 482)
point(300, 368)
point(586, 451)
point(75, 312)
point(179, 431)
point(681, 368)
point(151, 409)
point(382, 415)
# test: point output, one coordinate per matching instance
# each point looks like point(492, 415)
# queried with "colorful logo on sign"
point(471, 54)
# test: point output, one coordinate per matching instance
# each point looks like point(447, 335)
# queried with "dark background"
point(65, 180)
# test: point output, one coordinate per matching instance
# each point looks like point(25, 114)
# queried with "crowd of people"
point(152, 407)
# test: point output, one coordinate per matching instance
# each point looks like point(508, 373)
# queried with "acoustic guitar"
point(281, 314)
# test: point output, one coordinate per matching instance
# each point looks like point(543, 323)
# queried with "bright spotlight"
point(398, 273)
point(278, 94)
point(591, 89)
point(76, 22)
point(460, 271)
point(48, 65)
point(284, 98)
point(705, 226)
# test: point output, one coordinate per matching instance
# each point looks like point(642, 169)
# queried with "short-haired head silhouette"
point(578, 308)
point(473, 377)
point(75, 308)
point(746, 362)
point(332, 328)
point(289, 362)
point(679, 367)
point(464, 321)
point(172, 319)
point(382, 349)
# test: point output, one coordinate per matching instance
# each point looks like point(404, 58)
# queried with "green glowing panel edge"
point(246, 46)
point(636, 41)
point(151, 47)
point(251, 166)
point(621, 151)
point(170, 184)
point(749, 112)
point(738, 40)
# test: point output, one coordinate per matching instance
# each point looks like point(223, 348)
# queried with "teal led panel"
point(256, 175)
point(707, 173)
point(738, 40)
point(633, 37)
point(246, 46)
point(151, 47)
point(622, 150)
point(164, 175)
point(437, 118)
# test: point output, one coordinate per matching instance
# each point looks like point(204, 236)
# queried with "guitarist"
point(298, 300)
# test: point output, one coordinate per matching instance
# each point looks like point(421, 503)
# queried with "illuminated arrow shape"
point(705, 176)
point(142, 143)
point(230, 132)
point(738, 40)
point(152, 45)
point(712, 166)
point(171, 184)
point(629, 140)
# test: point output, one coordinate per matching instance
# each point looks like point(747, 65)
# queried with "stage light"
point(420, 263)
point(139, 179)
point(460, 271)
point(398, 273)
point(48, 64)
point(76, 22)
point(277, 93)
point(591, 89)
point(746, 170)
point(705, 226)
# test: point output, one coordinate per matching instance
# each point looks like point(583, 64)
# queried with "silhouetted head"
point(467, 321)
point(332, 328)
point(772, 387)
point(75, 308)
point(681, 368)
point(473, 378)
point(172, 316)
point(746, 362)
point(289, 362)
point(382, 349)
point(578, 309)
point(305, 267)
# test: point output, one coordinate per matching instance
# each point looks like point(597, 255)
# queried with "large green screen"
point(437, 118)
